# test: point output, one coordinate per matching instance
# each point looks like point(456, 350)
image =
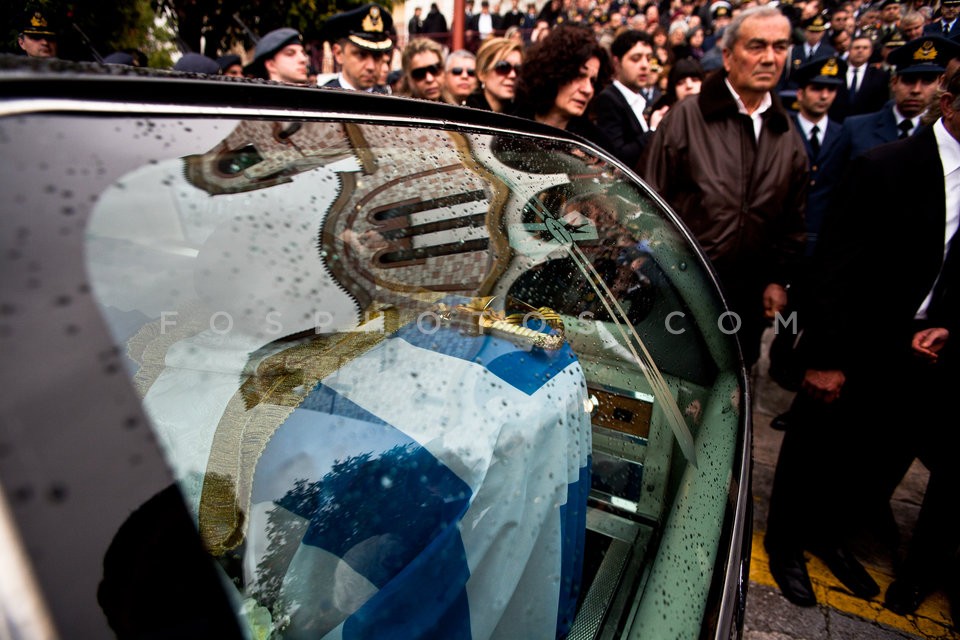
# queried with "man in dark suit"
point(813, 46)
point(485, 24)
point(619, 109)
point(359, 39)
point(866, 89)
point(415, 26)
point(914, 87)
point(512, 17)
point(889, 18)
point(859, 324)
point(947, 24)
point(819, 80)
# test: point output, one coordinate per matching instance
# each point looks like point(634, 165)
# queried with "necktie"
point(853, 82)
point(905, 126)
point(946, 28)
point(815, 141)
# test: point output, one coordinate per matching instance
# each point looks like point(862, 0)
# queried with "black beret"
point(268, 46)
point(197, 63)
point(228, 60)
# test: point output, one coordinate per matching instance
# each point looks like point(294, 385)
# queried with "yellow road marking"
point(932, 619)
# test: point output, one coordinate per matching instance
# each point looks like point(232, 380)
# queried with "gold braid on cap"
point(381, 45)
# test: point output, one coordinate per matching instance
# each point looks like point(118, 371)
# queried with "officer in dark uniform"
point(947, 23)
point(818, 82)
point(360, 39)
point(813, 46)
point(918, 67)
point(38, 38)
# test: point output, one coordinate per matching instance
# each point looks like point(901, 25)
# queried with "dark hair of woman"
point(681, 70)
point(555, 61)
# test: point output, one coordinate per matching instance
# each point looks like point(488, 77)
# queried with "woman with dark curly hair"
point(560, 75)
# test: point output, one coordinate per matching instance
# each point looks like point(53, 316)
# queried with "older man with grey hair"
point(730, 164)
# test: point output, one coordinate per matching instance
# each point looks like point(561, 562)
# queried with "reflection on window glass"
point(377, 357)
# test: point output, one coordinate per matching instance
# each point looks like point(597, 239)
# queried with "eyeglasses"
point(420, 73)
point(503, 68)
point(459, 71)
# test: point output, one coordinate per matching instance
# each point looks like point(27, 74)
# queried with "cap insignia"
point(927, 52)
point(372, 22)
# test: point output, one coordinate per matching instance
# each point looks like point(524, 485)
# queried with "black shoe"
point(848, 571)
point(905, 596)
point(782, 422)
point(790, 571)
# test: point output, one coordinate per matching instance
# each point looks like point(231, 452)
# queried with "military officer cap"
point(368, 27)
point(723, 10)
point(268, 46)
point(886, 3)
point(929, 54)
point(893, 40)
point(950, 3)
point(829, 71)
point(816, 23)
point(36, 24)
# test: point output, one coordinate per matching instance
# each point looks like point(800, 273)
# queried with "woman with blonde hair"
point(423, 71)
point(499, 61)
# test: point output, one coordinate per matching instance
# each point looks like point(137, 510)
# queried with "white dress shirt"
point(765, 104)
point(861, 70)
point(636, 101)
point(915, 120)
point(949, 149)
point(806, 126)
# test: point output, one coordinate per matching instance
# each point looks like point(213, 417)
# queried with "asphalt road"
point(840, 615)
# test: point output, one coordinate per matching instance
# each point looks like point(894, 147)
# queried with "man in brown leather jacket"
point(731, 166)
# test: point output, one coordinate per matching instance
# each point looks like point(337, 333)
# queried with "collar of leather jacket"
point(716, 103)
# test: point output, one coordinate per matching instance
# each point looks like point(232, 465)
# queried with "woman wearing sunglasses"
point(423, 75)
point(561, 74)
point(499, 62)
point(461, 75)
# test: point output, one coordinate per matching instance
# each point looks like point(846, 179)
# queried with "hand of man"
point(928, 343)
point(823, 385)
point(657, 116)
point(774, 300)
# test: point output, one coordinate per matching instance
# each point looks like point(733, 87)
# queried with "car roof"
point(24, 77)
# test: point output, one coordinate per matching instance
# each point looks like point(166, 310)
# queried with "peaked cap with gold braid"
point(368, 27)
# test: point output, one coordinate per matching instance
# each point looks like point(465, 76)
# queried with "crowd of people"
point(800, 142)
